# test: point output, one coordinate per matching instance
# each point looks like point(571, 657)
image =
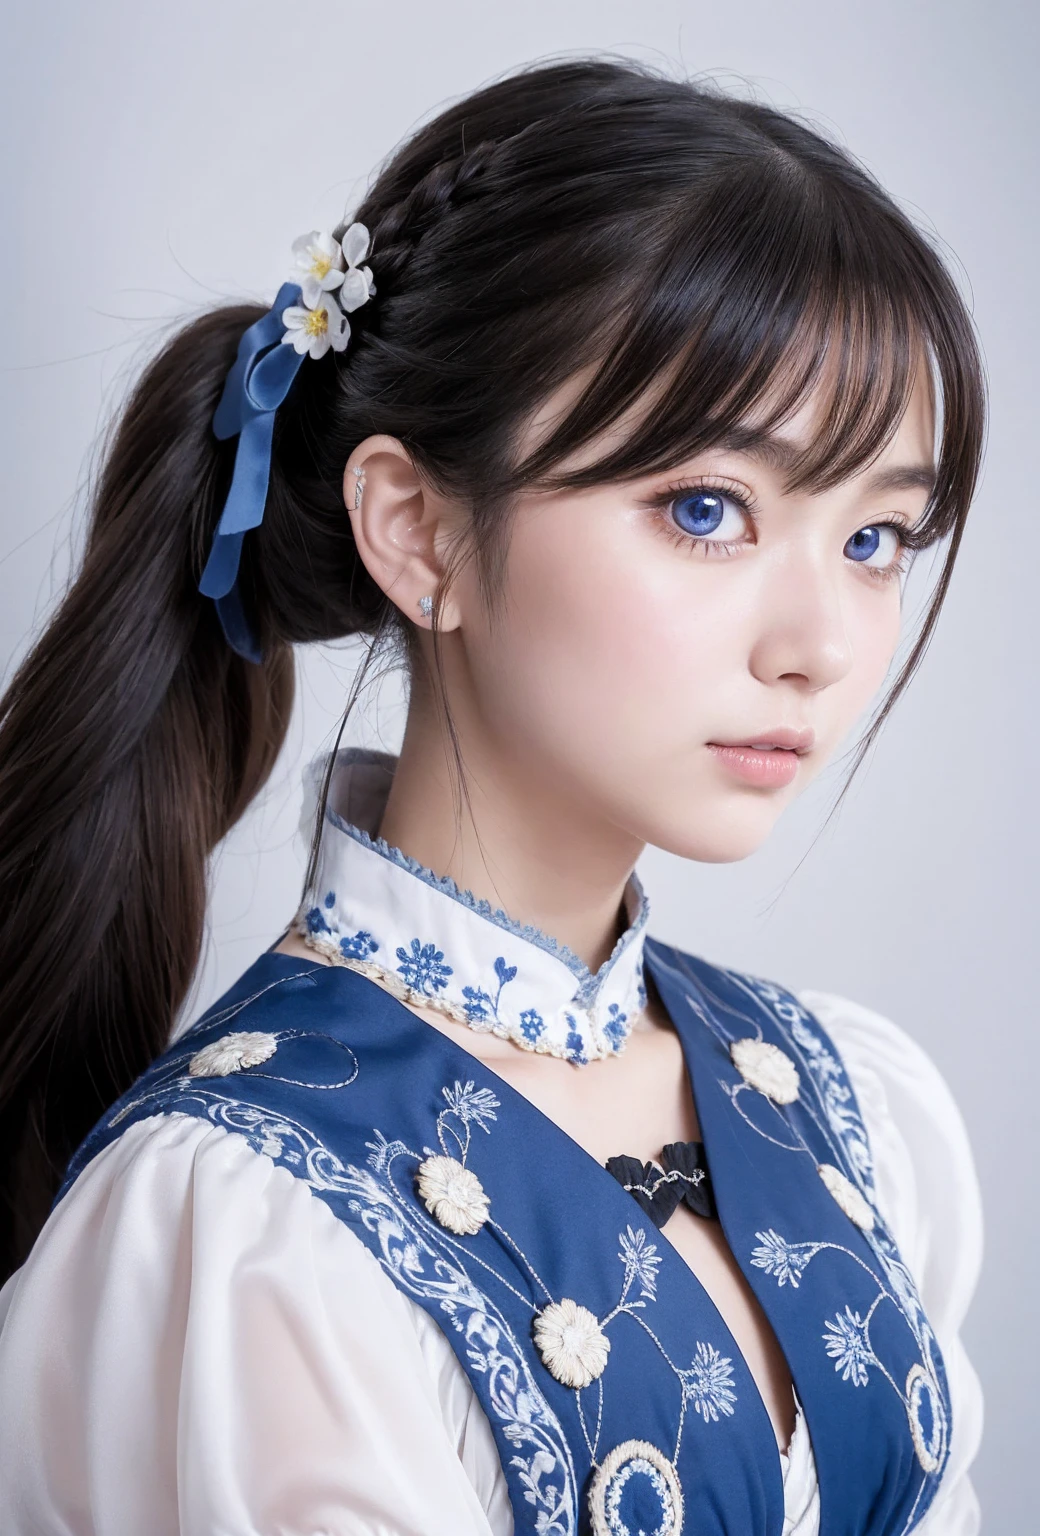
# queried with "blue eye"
point(878, 545)
point(707, 513)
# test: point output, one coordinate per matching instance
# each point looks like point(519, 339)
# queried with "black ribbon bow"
point(683, 1177)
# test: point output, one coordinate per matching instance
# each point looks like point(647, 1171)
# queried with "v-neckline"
point(545, 1121)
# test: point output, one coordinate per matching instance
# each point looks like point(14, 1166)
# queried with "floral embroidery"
point(835, 1095)
point(450, 1191)
point(847, 1196)
point(574, 1044)
point(473, 1106)
point(847, 1336)
point(441, 947)
point(232, 1053)
point(480, 1006)
point(531, 1024)
point(848, 1345)
point(423, 969)
point(453, 1195)
point(358, 946)
point(571, 1343)
point(784, 1260)
point(477, 1005)
point(708, 1384)
point(767, 1068)
point(614, 1028)
point(641, 1261)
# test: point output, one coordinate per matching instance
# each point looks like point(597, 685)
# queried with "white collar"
point(374, 909)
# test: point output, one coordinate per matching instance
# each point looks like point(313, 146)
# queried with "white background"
point(158, 158)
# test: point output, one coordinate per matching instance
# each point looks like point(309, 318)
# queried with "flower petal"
point(354, 291)
point(332, 279)
point(355, 244)
point(294, 316)
point(338, 339)
point(301, 247)
point(319, 345)
point(310, 290)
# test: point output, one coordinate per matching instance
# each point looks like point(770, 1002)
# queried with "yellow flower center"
point(317, 323)
point(320, 263)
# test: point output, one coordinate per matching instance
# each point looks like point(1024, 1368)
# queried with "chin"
point(724, 836)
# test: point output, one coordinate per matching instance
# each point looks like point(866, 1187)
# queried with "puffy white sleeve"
point(196, 1345)
point(929, 1194)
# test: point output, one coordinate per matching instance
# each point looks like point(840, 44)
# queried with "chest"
point(615, 1387)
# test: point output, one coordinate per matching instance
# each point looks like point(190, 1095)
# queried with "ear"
point(403, 529)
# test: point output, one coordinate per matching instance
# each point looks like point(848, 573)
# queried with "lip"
point(769, 759)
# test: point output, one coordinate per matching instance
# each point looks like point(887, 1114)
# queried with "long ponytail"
point(131, 739)
point(587, 219)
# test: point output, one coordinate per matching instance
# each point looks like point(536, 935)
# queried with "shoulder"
point(136, 1350)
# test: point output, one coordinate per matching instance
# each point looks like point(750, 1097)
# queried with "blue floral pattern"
point(423, 968)
point(614, 1028)
point(532, 1024)
point(358, 946)
point(372, 907)
point(830, 1103)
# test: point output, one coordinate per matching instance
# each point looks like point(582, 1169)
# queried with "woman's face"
point(675, 658)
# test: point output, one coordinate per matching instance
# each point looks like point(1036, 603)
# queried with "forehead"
point(784, 446)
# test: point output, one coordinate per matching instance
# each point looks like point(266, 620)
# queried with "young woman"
point(470, 1208)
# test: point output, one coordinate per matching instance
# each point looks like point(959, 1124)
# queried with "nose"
point(802, 637)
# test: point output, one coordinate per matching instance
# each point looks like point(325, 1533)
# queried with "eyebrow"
point(779, 454)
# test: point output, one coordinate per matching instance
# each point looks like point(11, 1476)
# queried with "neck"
point(515, 837)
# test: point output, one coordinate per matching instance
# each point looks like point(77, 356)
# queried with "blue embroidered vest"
point(618, 1399)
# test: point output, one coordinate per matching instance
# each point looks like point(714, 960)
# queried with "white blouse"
point(196, 1346)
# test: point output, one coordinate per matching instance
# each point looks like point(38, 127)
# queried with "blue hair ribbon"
point(256, 386)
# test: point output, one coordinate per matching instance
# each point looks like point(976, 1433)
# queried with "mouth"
point(769, 760)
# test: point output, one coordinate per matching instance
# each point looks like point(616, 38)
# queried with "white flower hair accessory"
point(332, 285)
point(308, 316)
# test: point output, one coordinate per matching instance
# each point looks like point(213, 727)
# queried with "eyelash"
point(705, 548)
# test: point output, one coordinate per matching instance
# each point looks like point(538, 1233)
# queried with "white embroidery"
point(847, 1196)
point(246, 1048)
point(847, 1341)
point(641, 1261)
point(766, 1068)
point(639, 1462)
point(453, 1195)
point(430, 1265)
point(571, 1343)
point(708, 1384)
point(829, 1102)
point(424, 1263)
point(927, 1418)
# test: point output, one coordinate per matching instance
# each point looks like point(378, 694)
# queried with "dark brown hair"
point(703, 251)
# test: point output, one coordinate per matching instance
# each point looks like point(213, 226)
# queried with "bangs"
point(777, 287)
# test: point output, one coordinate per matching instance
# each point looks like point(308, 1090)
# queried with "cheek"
point(601, 637)
point(875, 623)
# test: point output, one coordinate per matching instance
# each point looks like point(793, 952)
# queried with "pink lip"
point(769, 759)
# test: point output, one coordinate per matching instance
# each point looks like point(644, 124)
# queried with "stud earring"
point(359, 485)
point(426, 606)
